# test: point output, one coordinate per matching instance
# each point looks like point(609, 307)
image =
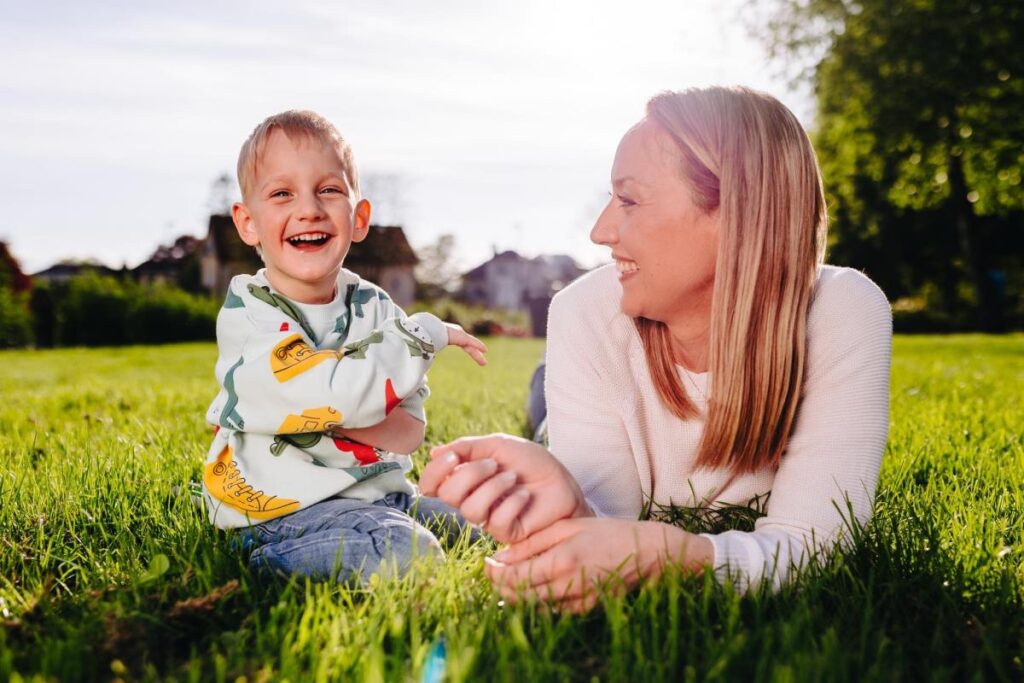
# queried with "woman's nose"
point(604, 231)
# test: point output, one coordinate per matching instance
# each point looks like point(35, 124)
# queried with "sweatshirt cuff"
point(434, 327)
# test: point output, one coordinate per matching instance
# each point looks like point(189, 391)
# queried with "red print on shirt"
point(366, 455)
point(391, 399)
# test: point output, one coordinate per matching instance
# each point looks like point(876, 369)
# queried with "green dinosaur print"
point(229, 416)
point(368, 471)
point(307, 440)
point(284, 305)
point(232, 300)
point(359, 298)
point(357, 349)
point(417, 347)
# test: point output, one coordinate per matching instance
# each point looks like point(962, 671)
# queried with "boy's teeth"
point(311, 237)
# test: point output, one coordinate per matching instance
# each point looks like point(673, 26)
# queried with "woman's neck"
point(691, 340)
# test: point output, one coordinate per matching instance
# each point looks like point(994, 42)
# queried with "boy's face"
point(300, 211)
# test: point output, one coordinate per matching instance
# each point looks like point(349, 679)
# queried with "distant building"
point(511, 281)
point(170, 264)
point(65, 270)
point(224, 255)
point(10, 271)
point(384, 257)
point(514, 282)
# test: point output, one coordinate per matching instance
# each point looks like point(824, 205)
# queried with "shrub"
point(165, 314)
point(97, 310)
point(15, 319)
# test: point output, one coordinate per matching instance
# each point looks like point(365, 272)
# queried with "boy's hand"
point(467, 342)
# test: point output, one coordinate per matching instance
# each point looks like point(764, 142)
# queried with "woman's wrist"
point(670, 545)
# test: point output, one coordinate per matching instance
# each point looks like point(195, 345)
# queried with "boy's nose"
point(310, 208)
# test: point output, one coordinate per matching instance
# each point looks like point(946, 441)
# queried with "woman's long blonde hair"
point(744, 153)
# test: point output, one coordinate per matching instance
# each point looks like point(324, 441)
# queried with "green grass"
point(105, 573)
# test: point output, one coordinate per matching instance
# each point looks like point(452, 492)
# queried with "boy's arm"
point(281, 384)
point(400, 432)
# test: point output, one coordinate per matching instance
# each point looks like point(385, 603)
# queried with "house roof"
point(71, 268)
point(385, 245)
point(554, 266)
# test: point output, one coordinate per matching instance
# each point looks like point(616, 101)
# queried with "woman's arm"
point(567, 562)
point(830, 469)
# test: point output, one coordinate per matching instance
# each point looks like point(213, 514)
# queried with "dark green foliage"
point(920, 139)
point(15, 319)
point(96, 310)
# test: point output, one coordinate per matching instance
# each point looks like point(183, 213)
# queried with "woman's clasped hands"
point(558, 550)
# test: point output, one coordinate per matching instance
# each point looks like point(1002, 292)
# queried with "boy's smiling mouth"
point(309, 240)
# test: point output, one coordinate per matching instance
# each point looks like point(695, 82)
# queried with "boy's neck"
point(303, 292)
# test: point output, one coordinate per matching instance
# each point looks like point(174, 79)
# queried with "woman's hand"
point(473, 347)
point(565, 564)
point(510, 486)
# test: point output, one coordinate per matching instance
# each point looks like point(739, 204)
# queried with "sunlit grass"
point(106, 572)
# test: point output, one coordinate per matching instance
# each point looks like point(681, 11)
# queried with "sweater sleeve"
point(826, 480)
point(278, 382)
point(585, 431)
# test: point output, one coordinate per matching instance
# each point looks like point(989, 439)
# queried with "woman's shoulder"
point(588, 313)
point(849, 316)
point(594, 296)
point(846, 294)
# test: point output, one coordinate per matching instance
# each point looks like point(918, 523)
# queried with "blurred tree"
point(920, 135)
point(437, 273)
point(223, 194)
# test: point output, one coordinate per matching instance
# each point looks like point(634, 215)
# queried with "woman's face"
point(663, 244)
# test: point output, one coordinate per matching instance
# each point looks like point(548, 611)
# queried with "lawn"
point(106, 572)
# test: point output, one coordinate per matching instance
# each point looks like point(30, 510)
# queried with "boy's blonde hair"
point(293, 123)
point(745, 154)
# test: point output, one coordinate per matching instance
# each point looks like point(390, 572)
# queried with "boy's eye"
point(279, 193)
point(332, 189)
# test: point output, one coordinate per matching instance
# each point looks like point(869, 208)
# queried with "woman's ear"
point(362, 220)
point(244, 225)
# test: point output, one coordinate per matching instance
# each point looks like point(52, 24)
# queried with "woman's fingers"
point(504, 522)
point(476, 508)
point(464, 479)
point(442, 464)
point(535, 544)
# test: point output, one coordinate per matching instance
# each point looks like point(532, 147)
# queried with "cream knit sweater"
point(611, 430)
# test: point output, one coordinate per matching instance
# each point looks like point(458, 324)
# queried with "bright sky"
point(497, 121)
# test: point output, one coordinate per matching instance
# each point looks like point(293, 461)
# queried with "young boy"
point(322, 376)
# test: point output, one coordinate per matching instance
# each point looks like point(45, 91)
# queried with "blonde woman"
point(717, 362)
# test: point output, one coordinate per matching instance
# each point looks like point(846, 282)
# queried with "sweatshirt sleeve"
point(275, 380)
point(826, 480)
point(585, 431)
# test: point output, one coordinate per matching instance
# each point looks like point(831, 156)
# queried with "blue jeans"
point(344, 539)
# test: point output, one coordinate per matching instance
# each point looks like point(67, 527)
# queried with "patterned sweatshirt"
point(290, 376)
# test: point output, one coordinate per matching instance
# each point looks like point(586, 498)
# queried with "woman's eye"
point(624, 201)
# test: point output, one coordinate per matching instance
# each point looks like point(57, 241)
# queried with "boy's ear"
point(243, 224)
point(362, 220)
